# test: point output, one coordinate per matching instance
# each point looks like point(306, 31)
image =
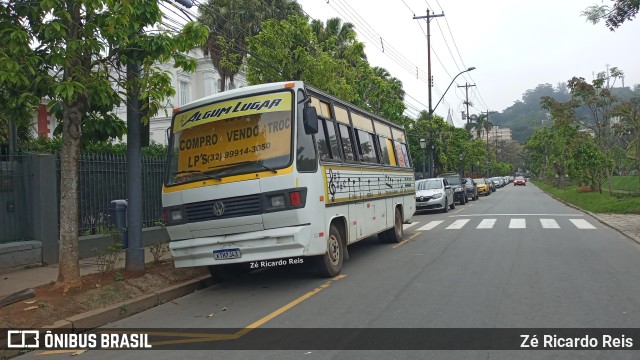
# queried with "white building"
point(203, 82)
point(497, 133)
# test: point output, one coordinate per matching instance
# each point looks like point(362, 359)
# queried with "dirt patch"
point(97, 290)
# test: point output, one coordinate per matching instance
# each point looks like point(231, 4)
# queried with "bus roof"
point(247, 90)
point(239, 92)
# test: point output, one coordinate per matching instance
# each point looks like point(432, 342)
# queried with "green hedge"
point(52, 146)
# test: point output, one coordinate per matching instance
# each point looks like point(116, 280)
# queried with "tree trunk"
point(223, 79)
point(69, 266)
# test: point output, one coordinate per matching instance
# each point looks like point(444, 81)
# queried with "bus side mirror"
point(310, 120)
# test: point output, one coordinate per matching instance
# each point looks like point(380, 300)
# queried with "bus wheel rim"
point(334, 250)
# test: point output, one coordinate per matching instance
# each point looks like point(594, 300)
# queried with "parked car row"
point(447, 190)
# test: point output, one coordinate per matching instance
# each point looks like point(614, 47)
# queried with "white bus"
point(282, 172)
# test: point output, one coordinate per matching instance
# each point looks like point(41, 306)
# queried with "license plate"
point(226, 254)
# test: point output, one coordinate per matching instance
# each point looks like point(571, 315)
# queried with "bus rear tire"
point(330, 264)
point(393, 235)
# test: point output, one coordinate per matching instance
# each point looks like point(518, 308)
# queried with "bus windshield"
point(232, 137)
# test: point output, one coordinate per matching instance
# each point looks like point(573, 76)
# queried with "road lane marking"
point(431, 225)
point(518, 224)
point(281, 310)
point(458, 224)
point(549, 224)
point(487, 224)
point(582, 224)
point(457, 211)
point(55, 352)
point(519, 215)
point(406, 226)
point(206, 337)
point(406, 240)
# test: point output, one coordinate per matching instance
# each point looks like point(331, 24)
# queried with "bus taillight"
point(294, 197)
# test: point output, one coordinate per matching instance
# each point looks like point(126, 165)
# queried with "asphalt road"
point(514, 259)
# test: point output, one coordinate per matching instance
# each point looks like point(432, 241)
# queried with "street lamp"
point(454, 79)
point(423, 146)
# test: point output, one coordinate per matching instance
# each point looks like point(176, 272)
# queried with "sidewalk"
point(17, 280)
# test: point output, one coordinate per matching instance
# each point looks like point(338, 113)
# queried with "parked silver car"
point(434, 194)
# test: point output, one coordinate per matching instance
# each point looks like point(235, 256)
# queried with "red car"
point(519, 180)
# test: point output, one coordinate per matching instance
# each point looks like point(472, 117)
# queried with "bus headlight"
point(172, 215)
point(277, 201)
point(175, 215)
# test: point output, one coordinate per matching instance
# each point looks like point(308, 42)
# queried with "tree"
point(628, 130)
point(77, 48)
point(231, 22)
point(614, 16)
point(597, 97)
point(288, 50)
point(563, 115)
point(339, 39)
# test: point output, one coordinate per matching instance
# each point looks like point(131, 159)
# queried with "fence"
point(102, 178)
point(14, 199)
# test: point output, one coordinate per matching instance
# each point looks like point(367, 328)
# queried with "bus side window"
point(401, 154)
point(306, 158)
point(347, 143)
point(333, 140)
point(366, 146)
point(384, 151)
point(322, 140)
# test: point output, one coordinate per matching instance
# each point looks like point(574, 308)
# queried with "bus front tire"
point(330, 264)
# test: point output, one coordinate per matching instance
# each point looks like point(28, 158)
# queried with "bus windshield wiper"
point(187, 172)
point(219, 175)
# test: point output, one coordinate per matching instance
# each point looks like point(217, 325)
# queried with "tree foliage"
point(74, 52)
point(614, 16)
point(561, 149)
point(231, 22)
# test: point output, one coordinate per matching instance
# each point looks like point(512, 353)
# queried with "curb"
point(100, 317)
point(595, 216)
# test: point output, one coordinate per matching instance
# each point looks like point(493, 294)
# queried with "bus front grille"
point(230, 207)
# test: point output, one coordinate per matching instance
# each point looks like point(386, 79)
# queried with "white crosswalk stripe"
point(458, 224)
point(518, 224)
point(487, 224)
point(490, 223)
point(549, 224)
point(406, 226)
point(431, 225)
point(582, 224)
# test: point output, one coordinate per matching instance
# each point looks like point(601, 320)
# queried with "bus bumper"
point(277, 243)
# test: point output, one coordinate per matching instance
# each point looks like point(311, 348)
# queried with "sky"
point(514, 46)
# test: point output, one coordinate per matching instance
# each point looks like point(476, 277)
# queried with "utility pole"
point(134, 253)
point(466, 87)
point(429, 16)
point(487, 131)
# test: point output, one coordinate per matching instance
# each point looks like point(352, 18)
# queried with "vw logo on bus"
point(218, 208)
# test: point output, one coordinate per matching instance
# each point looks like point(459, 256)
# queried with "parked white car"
point(434, 194)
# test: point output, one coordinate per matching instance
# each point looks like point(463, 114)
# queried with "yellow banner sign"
point(247, 138)
point(233, 108)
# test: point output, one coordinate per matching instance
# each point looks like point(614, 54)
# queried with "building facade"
point(204, 81)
